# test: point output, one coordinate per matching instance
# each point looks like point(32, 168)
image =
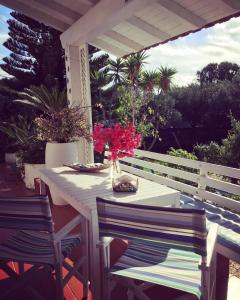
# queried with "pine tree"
point(36, 54)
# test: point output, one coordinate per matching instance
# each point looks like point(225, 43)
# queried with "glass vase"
point(115, 171)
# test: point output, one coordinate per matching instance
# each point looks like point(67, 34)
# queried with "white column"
point(78, 90)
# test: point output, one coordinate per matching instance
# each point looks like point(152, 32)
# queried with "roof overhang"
point(122, 27)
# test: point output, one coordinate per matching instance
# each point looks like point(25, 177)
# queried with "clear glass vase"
point(115, 171)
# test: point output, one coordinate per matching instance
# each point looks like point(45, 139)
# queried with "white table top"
point(81, 189)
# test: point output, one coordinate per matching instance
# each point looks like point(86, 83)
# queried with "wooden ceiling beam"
point(123, 40)
point(101, 18)
point(54, 9)
point(60, 8)
point(235, 4)
point(35, 14)
point(93, 1)
point(182, 12)
point(108, 47)
point(148, 28)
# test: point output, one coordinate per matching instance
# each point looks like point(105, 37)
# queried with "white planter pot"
point(10, 158)
point(57, 155)
point(31, 172)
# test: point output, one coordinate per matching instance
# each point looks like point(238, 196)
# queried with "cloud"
point(3, 37)
point(191, 53)
point(3, 74)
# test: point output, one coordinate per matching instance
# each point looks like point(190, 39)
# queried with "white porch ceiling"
point(123, 27)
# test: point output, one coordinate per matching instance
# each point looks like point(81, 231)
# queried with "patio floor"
point(10, 184)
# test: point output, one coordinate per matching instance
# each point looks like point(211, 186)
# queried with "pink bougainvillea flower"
point(118, 140)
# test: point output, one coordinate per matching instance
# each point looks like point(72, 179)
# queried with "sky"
point(191, 53)
point(4, 15)
point(187, 54)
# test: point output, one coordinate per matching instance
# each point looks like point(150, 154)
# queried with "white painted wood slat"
point(222, 185)
point(163, 169)
point(148, 28)
point(162, 180)
point(208, 175)
point(220, 200)
point(108, 47)
point(182, 12)
point(221, 170)
point(169, 159)
point(124, 40)
point(36, 14)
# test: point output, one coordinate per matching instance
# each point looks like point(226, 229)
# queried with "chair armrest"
point(211, 242)
point(63, 232)
point(105, 242)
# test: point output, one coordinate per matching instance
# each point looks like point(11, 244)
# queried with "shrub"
point(209, 153)
point(226, 154)
point(65, 126)
point(181, 153)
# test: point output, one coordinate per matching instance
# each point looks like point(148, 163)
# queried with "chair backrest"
point(26, 213)
point(173, 227)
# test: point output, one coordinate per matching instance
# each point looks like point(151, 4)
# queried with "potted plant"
point(24, 145)
point(32, 159)
point(10, 155)
point(13, 141)
point(61, 130)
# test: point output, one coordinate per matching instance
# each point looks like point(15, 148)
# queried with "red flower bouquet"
point(118, 140)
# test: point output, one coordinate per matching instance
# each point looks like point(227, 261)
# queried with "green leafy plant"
point(65, 126)
point(18, 137)
point(227, 153)
point(34, 153)
point(181, 153)
point(44, 99)
point(23, 140)
point(231, 145)
point(184, 154)
point(165, 78)
point(210, 153)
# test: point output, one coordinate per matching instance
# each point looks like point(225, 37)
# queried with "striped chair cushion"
point(34, 247)
point(26, 213)
point(171, 227)
point(173, 268)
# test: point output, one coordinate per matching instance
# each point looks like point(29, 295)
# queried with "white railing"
point(205, 181)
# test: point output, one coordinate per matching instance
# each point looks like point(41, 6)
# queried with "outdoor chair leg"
point(21, 267)
point(21, 281)
point(59, 281)
point(222, 277)
point(130, 294)
point(58, 272)
point(132, 286)
point(142, 287)
point(85, 253)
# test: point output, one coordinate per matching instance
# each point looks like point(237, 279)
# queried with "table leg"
point(43, 190)
point(95, 271)
point(222, 277)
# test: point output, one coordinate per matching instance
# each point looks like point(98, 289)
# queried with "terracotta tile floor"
point(11, 184)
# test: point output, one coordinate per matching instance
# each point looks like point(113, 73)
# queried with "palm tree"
point(133, 68)
point(99, 81)
point(140, 60)
point(148, 80)
point(44, 99)
point(116, 70)
point(165, 78)
point(130, 69)
point(134, 64)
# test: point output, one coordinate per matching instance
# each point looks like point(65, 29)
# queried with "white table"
point(80, 191)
